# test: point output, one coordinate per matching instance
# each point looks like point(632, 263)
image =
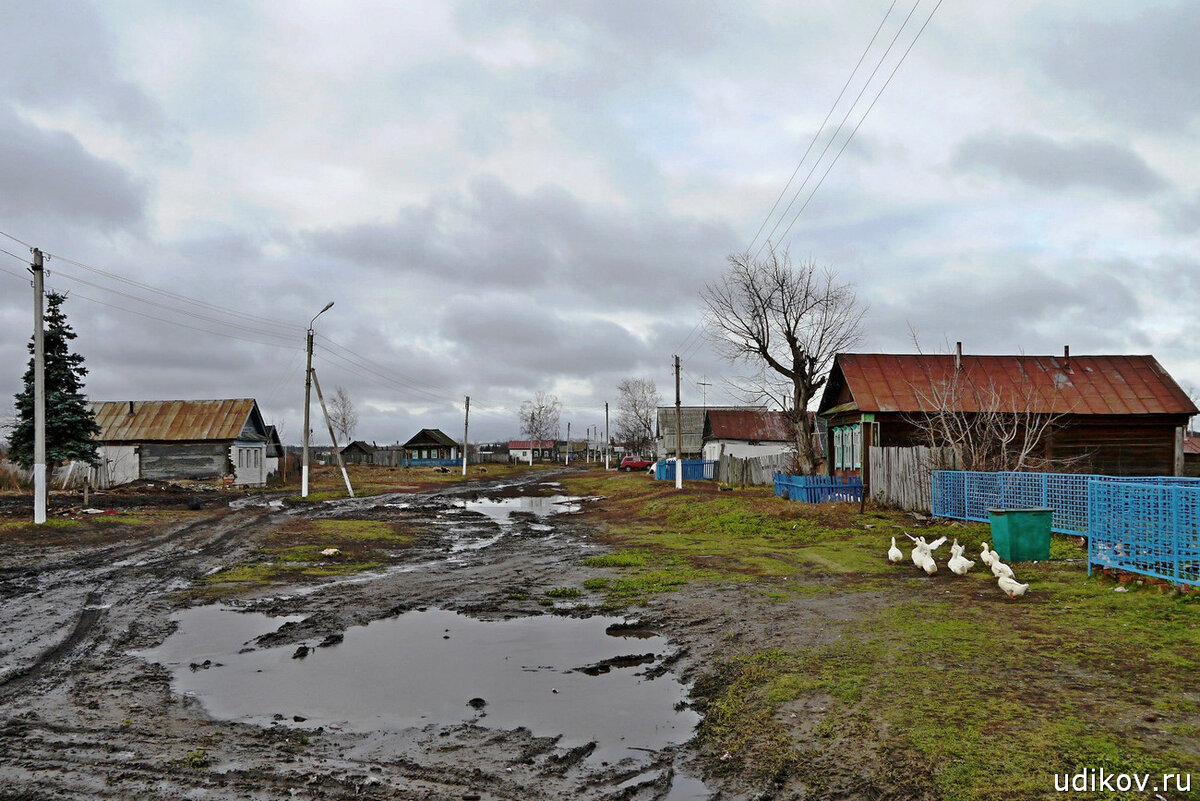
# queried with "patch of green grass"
point(197, 759)
point(618, 559)
point(564, 592)
point(596, 584)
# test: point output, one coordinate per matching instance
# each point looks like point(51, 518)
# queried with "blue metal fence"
point(431, 462)
point(968, 495)
point(693, 470)
point(818, 489)
point(1152, 529)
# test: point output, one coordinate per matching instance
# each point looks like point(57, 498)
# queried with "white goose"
point(895, 556)
point(987, 556)
point(1011, 587)
point(1000, 569)
point(959, 564)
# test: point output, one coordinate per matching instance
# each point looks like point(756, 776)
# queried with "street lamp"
point(307, 396)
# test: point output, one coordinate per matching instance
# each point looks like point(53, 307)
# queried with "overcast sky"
point(506, 197)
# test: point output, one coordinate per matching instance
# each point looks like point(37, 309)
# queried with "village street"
point(83, 717)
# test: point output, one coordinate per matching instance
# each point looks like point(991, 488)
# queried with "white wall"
point(119, 464)
point(249, 463)
point(743, 449)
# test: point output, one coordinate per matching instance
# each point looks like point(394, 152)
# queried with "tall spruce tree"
point(70, 426)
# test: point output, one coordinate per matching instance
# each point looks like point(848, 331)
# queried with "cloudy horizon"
point(505, 198)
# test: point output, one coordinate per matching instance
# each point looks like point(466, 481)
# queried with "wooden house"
point(431, 443)
point(275, 455)
point(180, 439)
point(1116, 415)
point(358, 452)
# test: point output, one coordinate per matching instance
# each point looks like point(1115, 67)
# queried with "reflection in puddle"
point(501, 509)
point(425, 667)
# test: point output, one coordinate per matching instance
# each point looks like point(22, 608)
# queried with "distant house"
point(1191, 456)
point(431, 443)
point(518, 449)
point(1118, 415)
point(359, 452)
point(692, 419)
point(744, 433)
point(181, 439)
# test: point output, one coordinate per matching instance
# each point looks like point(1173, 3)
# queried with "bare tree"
point(637, 403)
point(788, 322)
point(988, 427)
point(539, 417)
point(342, 415)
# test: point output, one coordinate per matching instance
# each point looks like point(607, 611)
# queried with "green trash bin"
point(1021, 535)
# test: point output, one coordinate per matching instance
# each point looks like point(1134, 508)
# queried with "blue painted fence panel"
point(966, 495)
point(432, 462)
point(1151, 529)
point(818, 489)
point(693, 470)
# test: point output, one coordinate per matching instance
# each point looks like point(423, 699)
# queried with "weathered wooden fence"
point(903, 476)
point(753, 470)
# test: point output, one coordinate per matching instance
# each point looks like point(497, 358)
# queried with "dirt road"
point(85, 714)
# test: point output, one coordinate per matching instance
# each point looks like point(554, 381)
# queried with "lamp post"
point(307, 396)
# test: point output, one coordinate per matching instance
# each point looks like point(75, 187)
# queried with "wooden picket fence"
point(752, 470)
point(903, 477)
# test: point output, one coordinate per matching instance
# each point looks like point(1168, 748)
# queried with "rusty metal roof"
point(175, 420)
point(748, 425)
point(1086, 385)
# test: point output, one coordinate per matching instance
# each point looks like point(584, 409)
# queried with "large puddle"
point(588, 680)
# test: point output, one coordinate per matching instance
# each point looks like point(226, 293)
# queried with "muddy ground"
point(82, 716)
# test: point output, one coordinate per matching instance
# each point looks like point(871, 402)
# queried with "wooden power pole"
point(678, 432)
point(39, 393)
point(332, 438)
point(606, 439)
point(466, 425)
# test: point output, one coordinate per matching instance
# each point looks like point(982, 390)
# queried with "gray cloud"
point(1043, 163)
point(50, 173)
point(55, 53)
point(1016, 307)
point(495, 238)
point(1142, 69)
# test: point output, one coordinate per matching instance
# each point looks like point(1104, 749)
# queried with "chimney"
point(131, 407)
point(1066, 357)
point(958, 356)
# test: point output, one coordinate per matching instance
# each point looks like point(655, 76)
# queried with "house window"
point(241, 457)
point(837, 449)
point(847, 447)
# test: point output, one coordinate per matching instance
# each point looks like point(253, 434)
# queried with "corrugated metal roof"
point(749, 425)
point(430, 436)
point(1087, 385)
point(1191, 444)
point(175, 420)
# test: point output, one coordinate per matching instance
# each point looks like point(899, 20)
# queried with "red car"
point(635, 463)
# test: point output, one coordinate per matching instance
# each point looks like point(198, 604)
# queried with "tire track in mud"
point(110, 573)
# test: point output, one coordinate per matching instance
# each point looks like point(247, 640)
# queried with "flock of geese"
point(922, 557)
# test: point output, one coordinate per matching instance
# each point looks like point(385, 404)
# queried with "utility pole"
point(568, 461)
point(332, 438)
point(678, 432)
point(606, 440)
point(704, 385)
point(308, 374)
point(39, 393)
point(466, 425)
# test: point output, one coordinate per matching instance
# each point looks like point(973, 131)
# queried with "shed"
point(275, 455)
point(1118, 415)
point(519, 449)
point(180, 439)
point(431, 443)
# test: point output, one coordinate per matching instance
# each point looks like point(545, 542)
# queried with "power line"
point(864, 116)
point(18, 241)
point(820, 128)
point(838, 130)
point(296, 329)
